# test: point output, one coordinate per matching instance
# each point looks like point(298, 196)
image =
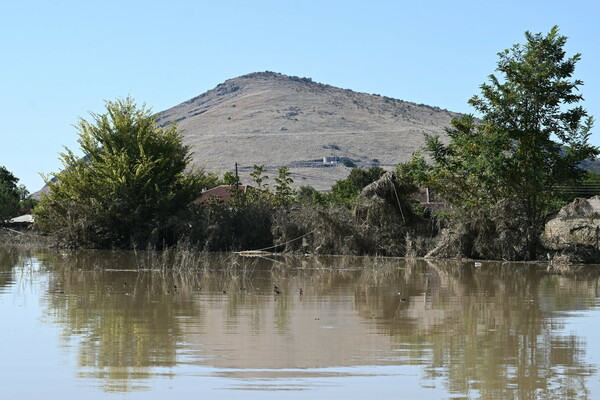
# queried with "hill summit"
point(318, 131)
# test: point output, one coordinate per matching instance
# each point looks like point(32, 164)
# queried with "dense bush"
point(319, 230)
point(128, 189)
point(9, 195)
point(13, 198)
point(220, 227)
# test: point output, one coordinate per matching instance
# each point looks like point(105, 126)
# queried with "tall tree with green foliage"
point(258, 177)
point(532, 137)
point(127, 186)
point(284, 194)
point(9, 195)
point(345, 191)
point(309, 195)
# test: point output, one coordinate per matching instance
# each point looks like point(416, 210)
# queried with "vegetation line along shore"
point(496, 180)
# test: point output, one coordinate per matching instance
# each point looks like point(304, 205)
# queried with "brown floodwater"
point(99, 325)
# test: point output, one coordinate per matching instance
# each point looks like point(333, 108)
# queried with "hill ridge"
point(268, 118)
point(271, 119)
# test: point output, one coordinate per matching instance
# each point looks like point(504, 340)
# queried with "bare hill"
point(278, 120)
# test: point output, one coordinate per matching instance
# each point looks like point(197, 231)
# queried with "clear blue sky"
point(62, 59)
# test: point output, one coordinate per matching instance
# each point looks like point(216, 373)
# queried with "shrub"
point(129, 187)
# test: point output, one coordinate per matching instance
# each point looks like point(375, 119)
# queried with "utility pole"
point(237, 178)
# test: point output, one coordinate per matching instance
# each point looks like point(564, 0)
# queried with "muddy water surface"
point(104, 325)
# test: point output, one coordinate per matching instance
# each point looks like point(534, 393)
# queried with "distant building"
point(331, 160)
point(219, 194)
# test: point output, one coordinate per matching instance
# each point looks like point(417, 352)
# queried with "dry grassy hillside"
point(270, 119)
point(277, 120)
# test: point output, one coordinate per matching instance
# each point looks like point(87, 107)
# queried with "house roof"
point(220, 193)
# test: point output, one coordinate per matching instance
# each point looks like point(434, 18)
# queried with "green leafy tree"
point(127, 187)
point(10, 195)
point(284, 194)
point(7, 179)
point(467, 171)
point(261, 190)
point(309, 195)
point(345, 191)
point(532, 136)
point(14, 199)
point(414, 172)
point(26, 203)
point(231, 179)
point(360, 178)
point(258, 178)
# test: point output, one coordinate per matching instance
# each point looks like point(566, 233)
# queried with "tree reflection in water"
point(493, 330)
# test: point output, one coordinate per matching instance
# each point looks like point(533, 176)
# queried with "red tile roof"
point(218, 194)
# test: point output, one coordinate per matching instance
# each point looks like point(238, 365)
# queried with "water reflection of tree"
point(125, 321)
point(488, 330)
point(9, 257)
